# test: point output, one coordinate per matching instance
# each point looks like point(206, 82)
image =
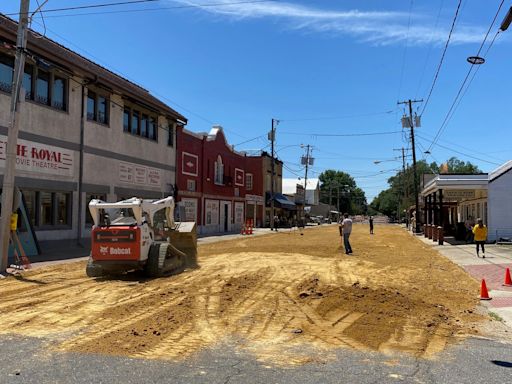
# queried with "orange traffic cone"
point(484, 294)
point(508, 280)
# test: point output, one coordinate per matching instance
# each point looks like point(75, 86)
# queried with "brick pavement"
point(494, 274)
point(497, 259)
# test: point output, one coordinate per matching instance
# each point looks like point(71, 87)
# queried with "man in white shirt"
point(346, 226)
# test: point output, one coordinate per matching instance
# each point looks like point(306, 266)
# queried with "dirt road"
point(283, 297)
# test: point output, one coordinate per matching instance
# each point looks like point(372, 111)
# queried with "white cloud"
point(376, 27)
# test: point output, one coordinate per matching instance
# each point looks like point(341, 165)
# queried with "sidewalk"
point(497, 259)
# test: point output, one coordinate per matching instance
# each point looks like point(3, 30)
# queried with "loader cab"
point(160, 226)
point(115, 217)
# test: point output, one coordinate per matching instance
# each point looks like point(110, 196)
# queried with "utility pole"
point(272, 138)
point(415, 173)
point(338, 199)
point(402, 181)
point(306, 161)
point(12, 138)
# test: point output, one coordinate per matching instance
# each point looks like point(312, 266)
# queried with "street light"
point(386, 160)
point(506, 21)
point(477, 60)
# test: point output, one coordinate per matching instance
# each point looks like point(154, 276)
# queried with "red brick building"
point(217, 186)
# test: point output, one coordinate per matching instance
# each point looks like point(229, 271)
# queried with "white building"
point(312, 190)
point(500, 202)
point(451, 200)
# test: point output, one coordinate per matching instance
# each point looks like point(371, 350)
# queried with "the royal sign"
point(40, 158)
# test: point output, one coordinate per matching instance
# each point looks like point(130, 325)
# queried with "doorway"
point(226, 217)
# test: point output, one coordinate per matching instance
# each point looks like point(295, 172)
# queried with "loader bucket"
point(184, 239)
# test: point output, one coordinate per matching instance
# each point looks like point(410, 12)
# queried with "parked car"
point(314, 220)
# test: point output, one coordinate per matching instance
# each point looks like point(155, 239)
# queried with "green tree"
point(341, 190)
point(458, 166)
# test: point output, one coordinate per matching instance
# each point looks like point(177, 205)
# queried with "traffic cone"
point(484, 294)
point(508, 280)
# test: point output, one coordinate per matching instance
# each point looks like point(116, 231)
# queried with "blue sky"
point(321, 67)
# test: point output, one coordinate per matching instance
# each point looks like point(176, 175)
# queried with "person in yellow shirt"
point(480, 232)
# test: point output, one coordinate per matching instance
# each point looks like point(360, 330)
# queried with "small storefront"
point(284, 208)
point(455, 201)
point(254, 209)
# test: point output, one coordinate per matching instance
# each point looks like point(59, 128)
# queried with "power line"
point(405, 51)
point(448, 115)
point(122, 74)
point(376, 174)
point(337, 117)
point(462, 153)
point(292, 171)
point(101, 5)
point(340, 134)
point(442, 57)
point(472, 78)
point(152, 91)
point(248, 141)
point(426, 137)
point(141, 10)
point(430, 47)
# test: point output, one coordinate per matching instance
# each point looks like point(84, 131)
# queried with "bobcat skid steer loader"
point(140, 234)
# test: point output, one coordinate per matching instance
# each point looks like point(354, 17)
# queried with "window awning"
point(281, 201)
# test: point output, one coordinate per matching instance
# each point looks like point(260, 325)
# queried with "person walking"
point(480, 234)
point(371, 225)
point(346, 229)
point(276, 222)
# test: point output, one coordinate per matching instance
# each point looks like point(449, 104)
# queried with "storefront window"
point(62, 201)
point(88, 198)
point(45, 208)
point(30, 203)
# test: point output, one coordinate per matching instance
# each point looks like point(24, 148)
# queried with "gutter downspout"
point(203, 207)
point(81, 169)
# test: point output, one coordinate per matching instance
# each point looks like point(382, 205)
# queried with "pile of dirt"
point(283, 297)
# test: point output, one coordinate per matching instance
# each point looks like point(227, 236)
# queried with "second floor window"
point(6, 72)
point(97, 107)
point(27, 81)
point(43, 86)
point(140, 124)
point(170, 137)
point(126, 120)
point(248, 181)
point(219, 171)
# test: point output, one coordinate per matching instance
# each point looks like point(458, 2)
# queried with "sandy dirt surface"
point(285, 298)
